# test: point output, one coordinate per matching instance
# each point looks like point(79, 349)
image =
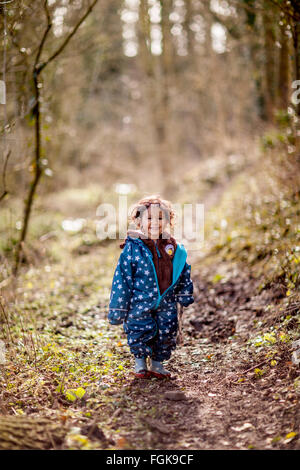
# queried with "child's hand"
point(114, 320)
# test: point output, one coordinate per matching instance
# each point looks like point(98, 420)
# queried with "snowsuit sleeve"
point(122, 286)
point(184, 288)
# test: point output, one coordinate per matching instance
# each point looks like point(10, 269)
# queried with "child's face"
point(153, 221)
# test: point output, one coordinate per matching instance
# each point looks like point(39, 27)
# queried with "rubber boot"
point(157, 370)
point(141, 370)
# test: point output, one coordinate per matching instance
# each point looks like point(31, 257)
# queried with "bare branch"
point(49, 25)
point(68, 38)
point(5, 192)
point(287, 10)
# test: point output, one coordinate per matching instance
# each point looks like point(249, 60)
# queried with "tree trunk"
point(163, 112)
point(159, 72)
point(283, 79)
point(296, 76)
point(296, 43)
point(167, 44)
point(36, 178)
point(22, 432)
point(269, 20)
point(144, 38)
point(189, 33)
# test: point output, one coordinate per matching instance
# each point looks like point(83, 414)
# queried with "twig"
point(34, 350)
point(62, 382)
point(51, 439)
point(5, 192)
point(286, 11)
point(49, 26)
point(6, 320)
point(5, 282)
point(41, 66)
point(292, 307)
point(24, 337)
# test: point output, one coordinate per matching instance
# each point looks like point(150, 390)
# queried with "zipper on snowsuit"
point(158, 290)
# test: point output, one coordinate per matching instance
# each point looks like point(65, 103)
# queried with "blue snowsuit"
point(149, 318)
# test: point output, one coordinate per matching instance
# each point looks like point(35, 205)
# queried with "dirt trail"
point(233, 397)
point(228, 394)
point(234, 385)
point(225, 404)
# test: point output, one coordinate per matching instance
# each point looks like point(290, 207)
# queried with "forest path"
point(233, 383)
point(227, 393)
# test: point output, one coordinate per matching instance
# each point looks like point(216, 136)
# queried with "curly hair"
point(146, 201)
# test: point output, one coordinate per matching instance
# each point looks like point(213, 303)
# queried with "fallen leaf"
point(243, 427)
point(80, 392)
point(290, 436)
point(122, 443)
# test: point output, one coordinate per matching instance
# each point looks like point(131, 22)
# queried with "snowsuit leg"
point(165, 340)
point(140, 333)
point(153, 334)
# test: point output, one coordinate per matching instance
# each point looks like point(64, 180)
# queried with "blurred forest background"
point(198, 100)
point(153, 94)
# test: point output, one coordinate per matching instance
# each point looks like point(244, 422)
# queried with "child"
point(151, 276)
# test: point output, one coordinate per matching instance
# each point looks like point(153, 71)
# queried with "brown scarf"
point(163, 265)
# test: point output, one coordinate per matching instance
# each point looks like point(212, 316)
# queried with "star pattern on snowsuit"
point(151, 329)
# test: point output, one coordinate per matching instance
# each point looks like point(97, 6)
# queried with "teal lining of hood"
point(178, 265)
point(178, 261)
